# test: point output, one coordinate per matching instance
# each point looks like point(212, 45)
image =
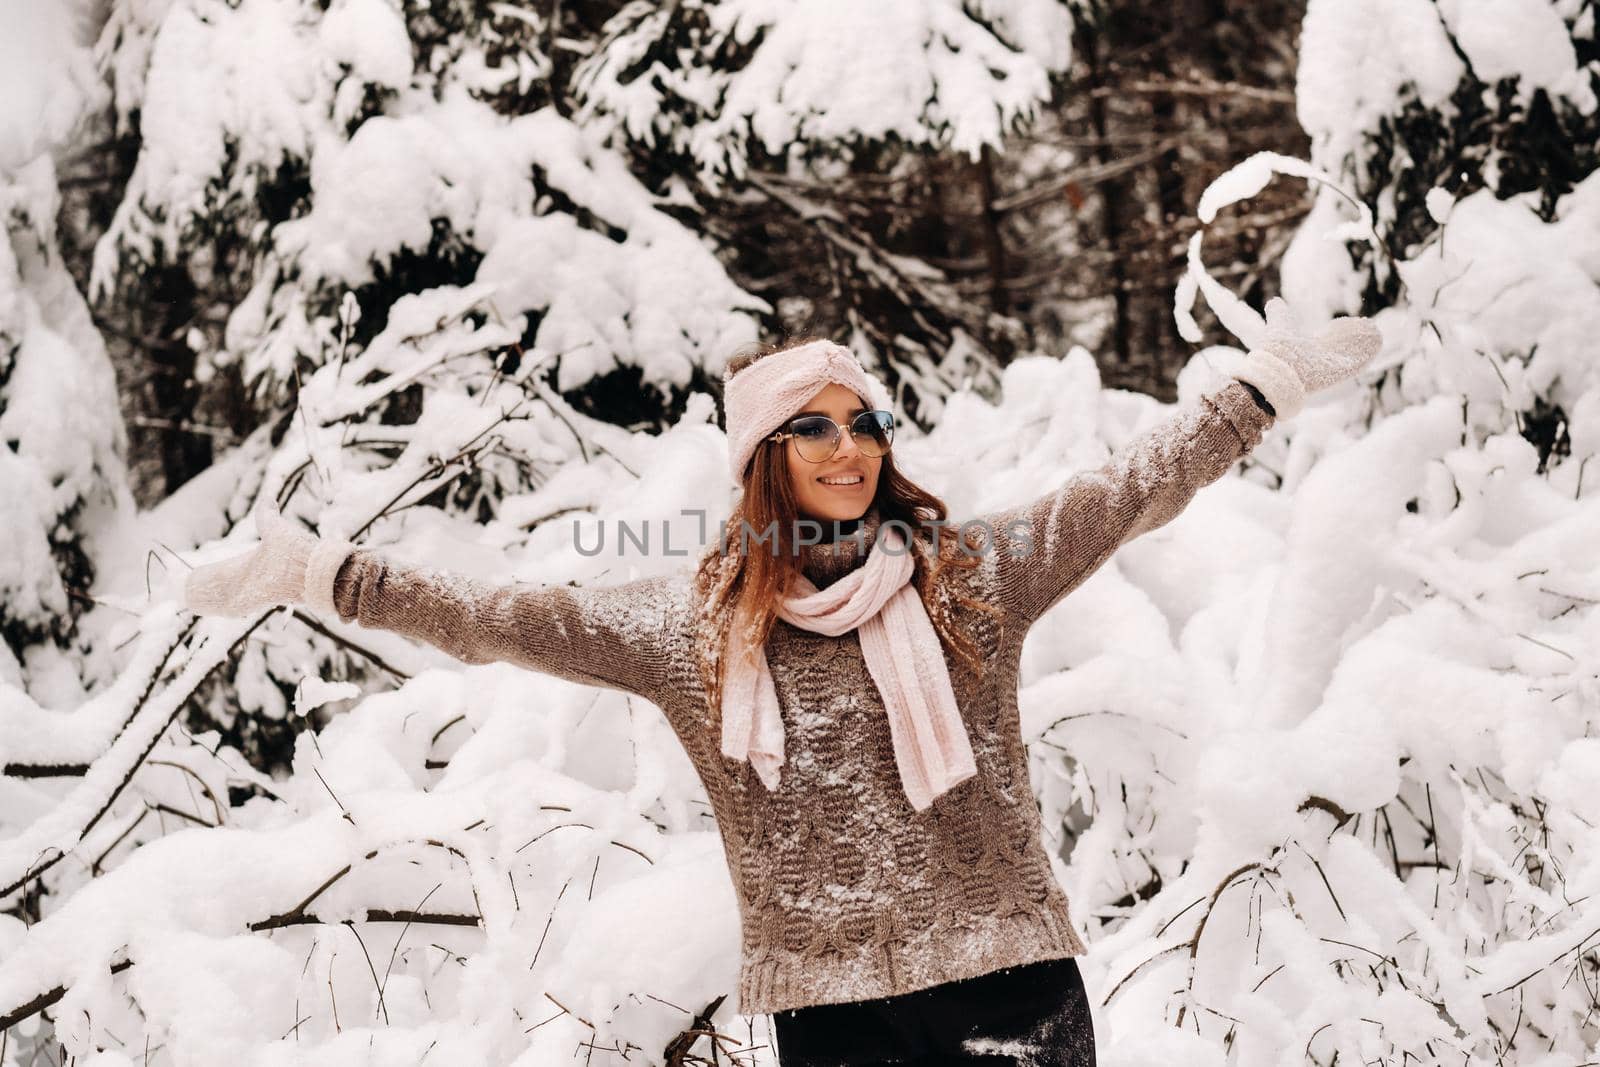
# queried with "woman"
point(849, 701)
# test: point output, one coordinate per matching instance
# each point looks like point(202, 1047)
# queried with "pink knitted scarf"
point(877, 599)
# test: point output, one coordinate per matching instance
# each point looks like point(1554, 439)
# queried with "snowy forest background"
point(1318, 759)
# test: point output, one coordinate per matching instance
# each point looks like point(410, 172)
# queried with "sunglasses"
point(816, 437)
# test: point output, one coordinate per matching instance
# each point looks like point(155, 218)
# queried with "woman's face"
point(843, 485)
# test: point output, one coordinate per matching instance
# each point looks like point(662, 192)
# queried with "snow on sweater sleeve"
point(614, 637)
point(1046, 547)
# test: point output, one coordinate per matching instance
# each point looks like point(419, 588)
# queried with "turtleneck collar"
point(829, 560)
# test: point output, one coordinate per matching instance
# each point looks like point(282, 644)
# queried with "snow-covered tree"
point(1339, 782)
point(293, 152)
point(812, 132)
point(429, 278)
point(61, 467)
point(740, 84)
point(306, 171)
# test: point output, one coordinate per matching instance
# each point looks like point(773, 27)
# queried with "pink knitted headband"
point(762, 396)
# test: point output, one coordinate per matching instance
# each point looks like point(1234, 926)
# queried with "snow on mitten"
point(1289, 364)
point(289, 566)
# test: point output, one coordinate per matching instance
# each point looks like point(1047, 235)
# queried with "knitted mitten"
point(1289, 364)
point(289, 566)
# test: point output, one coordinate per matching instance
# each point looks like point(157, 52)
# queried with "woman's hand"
point(1290, 364)
point(289, 566)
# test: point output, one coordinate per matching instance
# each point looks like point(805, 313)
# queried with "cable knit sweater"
point(844, 891)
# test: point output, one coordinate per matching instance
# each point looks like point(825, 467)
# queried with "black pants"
point(1036, 1015)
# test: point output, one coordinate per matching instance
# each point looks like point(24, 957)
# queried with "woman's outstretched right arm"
point(615, 637)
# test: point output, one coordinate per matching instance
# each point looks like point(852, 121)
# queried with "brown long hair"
point(733, 585)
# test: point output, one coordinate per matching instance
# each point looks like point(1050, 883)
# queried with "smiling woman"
point(849, 705)
point(817, 449)
point(893, 891)
point(833, 472)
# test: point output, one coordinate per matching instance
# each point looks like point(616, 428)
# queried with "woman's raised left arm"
point(1046, 547)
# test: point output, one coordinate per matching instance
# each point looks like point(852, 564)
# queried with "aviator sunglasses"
point(816, 437)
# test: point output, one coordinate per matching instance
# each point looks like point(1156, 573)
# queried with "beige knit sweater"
point(844, 891)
